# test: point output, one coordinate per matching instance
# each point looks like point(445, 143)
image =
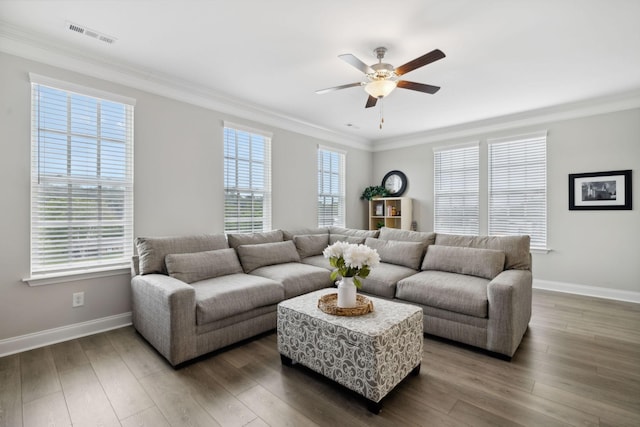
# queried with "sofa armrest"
point(509, 296)
point(164, 312)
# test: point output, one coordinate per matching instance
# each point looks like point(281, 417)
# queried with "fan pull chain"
point(381, 112)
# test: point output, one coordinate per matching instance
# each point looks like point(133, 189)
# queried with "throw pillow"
point(428, 238)
point(256, 256)
point(153, 250)
point(311, 244)
point(408, 254)
point(486, 263)
point(203, 265)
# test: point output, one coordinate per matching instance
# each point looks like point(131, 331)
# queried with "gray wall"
point(178, 189)
point(592, 248)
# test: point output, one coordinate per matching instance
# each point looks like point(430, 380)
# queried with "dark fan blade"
point(331, 89)
point(428, 58)
point(371, 102)
point(420, 87)
point(352, 60)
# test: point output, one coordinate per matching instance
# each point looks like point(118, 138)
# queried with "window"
point(81, 178)
point(456, 188)
point(518, 187)
point(247, 179)
point(331, 198)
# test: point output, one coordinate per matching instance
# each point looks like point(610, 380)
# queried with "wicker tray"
point(329, 304)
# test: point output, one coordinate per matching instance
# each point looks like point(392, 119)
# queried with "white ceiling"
point(503, 56)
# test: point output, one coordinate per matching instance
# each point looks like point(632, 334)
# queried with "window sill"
point(540, 250)
point(71, 276)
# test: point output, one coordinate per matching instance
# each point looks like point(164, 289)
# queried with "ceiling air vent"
point(90, 33)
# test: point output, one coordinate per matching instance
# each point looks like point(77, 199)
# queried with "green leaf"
point(356, 282)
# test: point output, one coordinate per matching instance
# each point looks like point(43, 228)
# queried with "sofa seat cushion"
point(383, 279)
point(449, 291)
point(226, 296)
point(297, 278)
point(318, 261)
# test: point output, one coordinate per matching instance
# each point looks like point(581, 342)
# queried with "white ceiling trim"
point(602, 105)
point(28, 45)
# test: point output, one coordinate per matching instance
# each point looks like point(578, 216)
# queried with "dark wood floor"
point(579, 364)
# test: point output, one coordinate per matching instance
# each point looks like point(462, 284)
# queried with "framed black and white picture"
point(600, 191)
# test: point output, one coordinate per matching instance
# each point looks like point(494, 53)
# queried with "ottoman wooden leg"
point(416, 371)
point(286, 361)
point(374, 407)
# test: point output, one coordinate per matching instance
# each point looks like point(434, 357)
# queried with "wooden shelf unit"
point(381, 213)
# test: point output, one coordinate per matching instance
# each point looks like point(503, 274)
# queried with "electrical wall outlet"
point(78, 299)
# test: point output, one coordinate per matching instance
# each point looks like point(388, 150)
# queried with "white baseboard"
point(591, 291)
point(64, 333)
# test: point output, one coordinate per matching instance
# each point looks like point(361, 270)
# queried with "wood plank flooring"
point(578, 365)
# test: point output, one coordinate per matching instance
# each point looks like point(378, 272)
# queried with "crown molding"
point(32, 46)
point(601, 105)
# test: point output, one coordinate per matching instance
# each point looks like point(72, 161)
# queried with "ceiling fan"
point(381, 78)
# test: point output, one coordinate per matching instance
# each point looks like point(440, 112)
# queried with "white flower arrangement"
point(351, 260)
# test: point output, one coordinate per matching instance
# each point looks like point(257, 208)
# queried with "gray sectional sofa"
point(195, 294)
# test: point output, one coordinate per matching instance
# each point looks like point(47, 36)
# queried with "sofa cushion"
point(255, 256)
point(297, 278)
point(428, 238)
point(196, 266)
point(485, 263)
point(408, 254)
point(515, 248)
point(226, 296)
point(449, 291)
point(237, 239)
point(344, 238)
point(354, 232)
point(383, 279)
point(311, 244)
point(153, 250)
point(289, 234)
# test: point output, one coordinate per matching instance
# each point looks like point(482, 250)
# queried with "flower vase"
point(346, 293)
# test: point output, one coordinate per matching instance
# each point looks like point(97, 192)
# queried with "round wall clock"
point(395, 182)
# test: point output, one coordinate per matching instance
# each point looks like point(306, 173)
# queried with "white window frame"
point(85, 257)
point(331, 187)
point(258, 188)
point(517, 187)
point(456, 182)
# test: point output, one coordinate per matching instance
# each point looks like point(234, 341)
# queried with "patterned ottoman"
point(368, 354)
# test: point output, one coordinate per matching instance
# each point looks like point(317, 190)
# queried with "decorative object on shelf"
point(374, 191)
point(395, 182)
point(600, 191)
point(329, 304)
point(350, 262)
point(381, 213)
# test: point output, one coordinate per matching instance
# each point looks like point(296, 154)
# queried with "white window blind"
point(81, 178)
point(247, 180)
point(456, 190)
point(331, 187)
point(518, 187)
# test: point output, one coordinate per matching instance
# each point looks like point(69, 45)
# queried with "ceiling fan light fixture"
point(380, 88)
